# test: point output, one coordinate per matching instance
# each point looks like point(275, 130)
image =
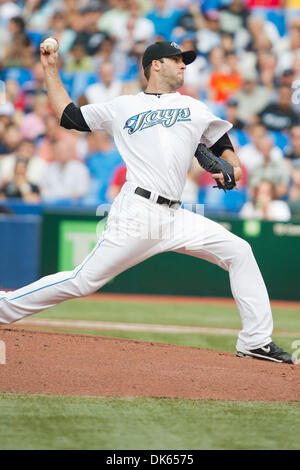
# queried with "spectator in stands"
point(106, 89)
point(233, 17)
point(262, 42)
point(31, 88)
point(109, 52)
point(36, 166)
point(89, 35)
point(286, 78)
point(55, 133)
point(279, 116)
point(258, 28)
point(294, 195)
point(293, 154)
point(266, 65)
point(231, 114)
point(165, 18)
point(59, 29)
point(79, 61)
point(216, 59)
point(288, 47)
point(66, 178)
point(8, 9)
point(117, 9)
point(14, 27)
point(32, 125)
point(292, 157)
point(277, 172)
point(225, 82)
point(227, 43)
point(72, 15)
point(5, 39)
point(250, 154)
point(12, 57)
point(208, 36)
point(196, 74)
point(101, 159)
point(3, 148)
point(37, 13)
point(12, 137)
point(12, 91)
point(296, 69)
point(190, 18)
point(251, 98)
point(19, 186)
point(116, 183)
point(6, 115)
point(264, 205)
point(132, 28)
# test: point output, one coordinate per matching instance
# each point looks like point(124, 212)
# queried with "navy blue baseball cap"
point(161, 49)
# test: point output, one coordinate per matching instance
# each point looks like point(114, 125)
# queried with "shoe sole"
point(258, 356)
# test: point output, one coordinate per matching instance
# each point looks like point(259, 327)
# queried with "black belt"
point(160, 200)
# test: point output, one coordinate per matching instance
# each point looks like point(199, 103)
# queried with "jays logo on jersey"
point(165, 117)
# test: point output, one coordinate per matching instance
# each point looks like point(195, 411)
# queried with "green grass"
point(219, 316)
point(53, 422)
point(222, 316)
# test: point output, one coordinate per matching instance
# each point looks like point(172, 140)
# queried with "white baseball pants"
point(138, 228)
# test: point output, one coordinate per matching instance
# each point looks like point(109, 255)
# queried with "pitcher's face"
point(172, 71)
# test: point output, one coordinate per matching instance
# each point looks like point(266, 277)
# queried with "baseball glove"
point(213, 164)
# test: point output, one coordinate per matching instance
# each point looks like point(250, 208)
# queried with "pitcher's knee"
point(81, 286)
point(85, 289)
point(242, 248)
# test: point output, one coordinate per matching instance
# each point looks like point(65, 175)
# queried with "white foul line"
point(143, 327)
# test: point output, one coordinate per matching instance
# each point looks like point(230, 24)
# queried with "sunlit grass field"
point(203, 315)
point(54, 422)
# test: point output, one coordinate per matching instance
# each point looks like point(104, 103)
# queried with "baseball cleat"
point(269, 352)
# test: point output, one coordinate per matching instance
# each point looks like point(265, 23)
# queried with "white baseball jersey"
point(157, 136)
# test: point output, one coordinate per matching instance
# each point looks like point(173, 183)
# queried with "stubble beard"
point(176, 82)
point(173, 81)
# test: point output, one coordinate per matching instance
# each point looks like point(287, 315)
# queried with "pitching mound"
point(58, 363)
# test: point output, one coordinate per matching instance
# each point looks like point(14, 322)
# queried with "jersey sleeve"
point(215, 129)
point(99, 116)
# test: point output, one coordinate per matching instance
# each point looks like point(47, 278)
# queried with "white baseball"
point(51, 44)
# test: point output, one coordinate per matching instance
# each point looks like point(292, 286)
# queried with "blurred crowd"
point(247, 71)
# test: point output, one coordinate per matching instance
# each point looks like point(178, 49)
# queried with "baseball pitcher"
point(158, 132)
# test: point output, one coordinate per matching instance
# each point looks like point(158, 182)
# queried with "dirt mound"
point(59, 363)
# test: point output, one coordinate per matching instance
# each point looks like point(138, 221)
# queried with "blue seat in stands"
point(218, 201)
point(36, 37)
point(239, 136)
point(67, 80)
point(280, 139)
point(16, 73)
point(235, 199)
point(81, 80)
point(277, 18)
